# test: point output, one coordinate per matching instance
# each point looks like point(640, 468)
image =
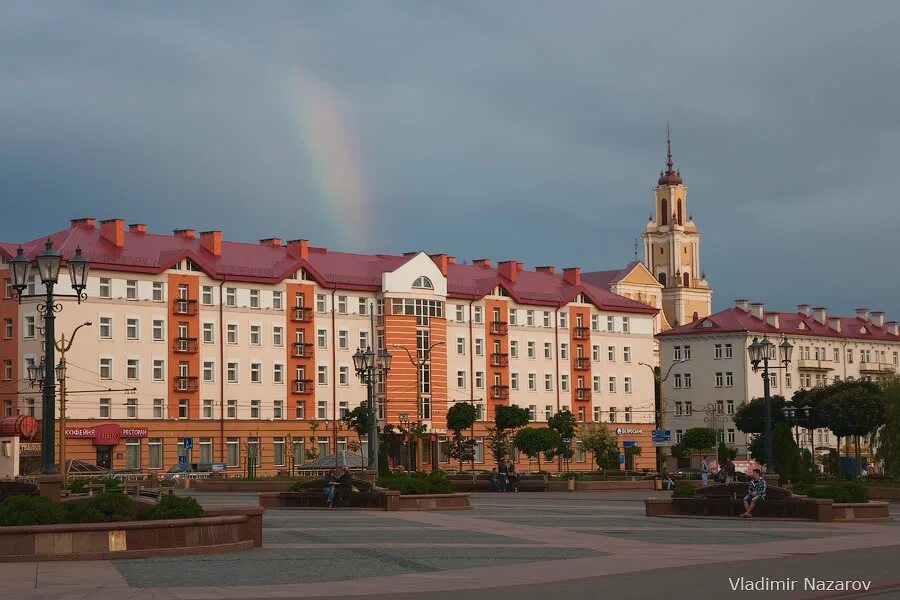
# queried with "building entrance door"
point(104, 457)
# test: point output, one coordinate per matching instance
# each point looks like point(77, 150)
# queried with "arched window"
point(664, 212)
point(687, 280)
point(696, 316)
point(680, 214)
point(662, 278)
point(423, 283)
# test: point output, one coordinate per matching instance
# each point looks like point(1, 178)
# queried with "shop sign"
point(106, 434)
point(624, 431)
point(29, 449)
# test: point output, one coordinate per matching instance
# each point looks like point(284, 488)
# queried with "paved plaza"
point(509, 546)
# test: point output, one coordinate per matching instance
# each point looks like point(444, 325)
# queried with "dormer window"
point(423, 283)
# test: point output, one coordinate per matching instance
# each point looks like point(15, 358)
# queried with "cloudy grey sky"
point(525, 130)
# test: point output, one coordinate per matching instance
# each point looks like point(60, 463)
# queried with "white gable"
point(400, 281)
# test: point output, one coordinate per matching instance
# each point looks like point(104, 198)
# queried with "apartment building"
point(716, 376)
point(247, 348)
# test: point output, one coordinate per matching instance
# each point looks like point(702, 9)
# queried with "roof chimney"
point(509, 269)
point(441, 260)
point(137, 228)
point(572, 275)
point(803, 309)
point(211, 241)
point(834, 323)
point(482, 262)
point(408, 254)
point(298, 249)
point(185, 233)
point(757, 309)
point(878, 318)
point(113, 231)
point(892, 328)
point(86, 222)
point(546, 269)
point(742, 304)
point(819, 314)
point(862, 313)
point(273, 242)
point(773, 320)
point(451, 260)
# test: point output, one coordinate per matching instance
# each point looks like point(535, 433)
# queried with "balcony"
point(583, 393)
point(186, 384)
point(582, 363)
point(183, 306)
point(186, 345)
point(876, 367)
point(303, 386)
point(499, 328)
point(581, 333)
point(806, 364)
point(302, 314)
point(302, 350)
point(499, 359)
point(499, 392)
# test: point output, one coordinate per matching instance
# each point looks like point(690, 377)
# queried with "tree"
point(359, 420)
point(726, 452)
point(535, 440)
point(506, 418)
point(786, 459)
point(598, 440)
point(750, 417)
point(888, 438)
point(699, 439)
point(565, 424)
point(460, 416)
point(853, 408)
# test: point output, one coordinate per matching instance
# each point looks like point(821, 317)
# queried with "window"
point(564, 383)
point(611, 353)
point(230, 296)
point(531, 349)
point(625, 325)
point(596, 383)
point(155, 457)
point(529, 318)
point(232, 372)
point(321, 303)
point(679, 410)
point(363, 306)
point(514, 349)
point(688, 408)
point(461, 346)
point(676, 353)
point(460, 313)
point(423, 283)
point(105, 368)
point(677, 382)
point(479, 379)
point(687, 380)
point(322, 375)
point(626, 354)
point(679, 435)
point(532, 412)
point(512, 316)
point(595, 322)
point(342, 305)
point(209, 368)
point(612, 385)
point(254, 409)
point(479, 450)
point(206, 295)
point(787, 380)
point(628, 414)
point(563, 351)
point(7, 370)
point(131, 369)
point(461, 379)
point(105, 288)
point(232, 452)
point(278, 374)
point(29, 327)
point(255, 335)
point(255, 373)
point(729, 351)
point(131, 329)
point(231, 333)
point(729, 379)
point(278, 336)
point(300, 411)
point(209, 333)
point(321, 408)
point(131, 408)
point(477, 314)
point(564, 320)
point(546, 318)
point(719, 379)
point(731, 436)
point(182, 409)
point(131, 289)
point(514, 381)
point(548, 381)
point(344, 375)
point(363, 339)
point(158, 404)
point(104, 407)
point(687, 353)
point(343, 339)
point(254, 298)
point(322, 338)
point(610, 323)
point(532, 382)
point(105, 328)
point(612, 414)
point(548, 350)
point(7, 329)
point(717, 352)
point(729, 407)
point(231, 409)
point(479, 347)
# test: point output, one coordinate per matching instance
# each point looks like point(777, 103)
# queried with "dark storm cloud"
point(527, 130)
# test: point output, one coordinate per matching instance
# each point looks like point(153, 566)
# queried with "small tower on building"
point(672, 250)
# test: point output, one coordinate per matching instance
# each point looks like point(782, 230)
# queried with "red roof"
point(734, 319)
point(604, 279)
point(262, 263)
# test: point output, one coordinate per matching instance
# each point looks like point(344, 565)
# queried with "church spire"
point(670, 177)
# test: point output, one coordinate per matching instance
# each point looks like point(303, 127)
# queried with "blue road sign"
point(629, 444)
point(621, 459)
point(188, 443)
point(182, 460)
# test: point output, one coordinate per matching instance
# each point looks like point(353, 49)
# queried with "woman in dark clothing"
point(345, 484)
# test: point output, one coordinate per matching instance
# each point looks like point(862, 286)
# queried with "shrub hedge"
point(31, 510)
point(174, 507)
point(683, 490)
point(105, 507)
point(839, 491)
point(417, 483)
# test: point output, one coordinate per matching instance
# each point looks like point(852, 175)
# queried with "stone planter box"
point(225, 485)
point(388, 500)
point(797, 507)
point(221, 530)
point(600, 486)
point(434, 502)
point(883, 493)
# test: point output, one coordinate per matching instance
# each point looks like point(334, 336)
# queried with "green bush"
point(105, 507)
point(838, 491)
point(417, 483)
point(31, 510)
point(684, 490)
point(78, 485)
point(174, 507)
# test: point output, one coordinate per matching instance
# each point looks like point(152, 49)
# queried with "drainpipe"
point(334, 370)
point(556, 351)
point(222, 371)
point(472, 374)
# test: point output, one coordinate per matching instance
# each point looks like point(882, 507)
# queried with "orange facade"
point(497, 339)
point(184, 351)
point(9, 359)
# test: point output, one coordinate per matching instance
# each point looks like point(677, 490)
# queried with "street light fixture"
point(48, 262)
point(369, 366)
point(760, 352)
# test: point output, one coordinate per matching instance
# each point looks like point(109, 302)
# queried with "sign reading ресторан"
point(106, 434)
point(624, 431)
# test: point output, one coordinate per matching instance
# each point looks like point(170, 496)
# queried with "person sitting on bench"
point(345, 484)
point(755, 493)
point(331, 486)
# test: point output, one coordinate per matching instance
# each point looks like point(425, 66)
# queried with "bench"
point(482, 483)
point(727, 500)
point(95, 487)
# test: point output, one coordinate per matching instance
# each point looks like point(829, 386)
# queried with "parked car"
point(179, 471)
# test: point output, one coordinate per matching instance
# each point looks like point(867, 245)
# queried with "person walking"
point(704, 471)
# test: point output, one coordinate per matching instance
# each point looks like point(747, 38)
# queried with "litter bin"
point(570, 485)
point(657, 484)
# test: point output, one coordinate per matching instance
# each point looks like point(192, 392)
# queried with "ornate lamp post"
point(368, 367)
point(660, 411)
point(761, 351)
point(48, 262)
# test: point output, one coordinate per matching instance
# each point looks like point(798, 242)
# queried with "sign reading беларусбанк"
point(765, 584)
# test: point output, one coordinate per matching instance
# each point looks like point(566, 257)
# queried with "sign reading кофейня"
point(106, 434)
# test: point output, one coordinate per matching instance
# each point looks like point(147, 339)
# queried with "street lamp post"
point(48, 262)
point(368, 367)
point(761, 351)
point(660, 406)
point(418, 363)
